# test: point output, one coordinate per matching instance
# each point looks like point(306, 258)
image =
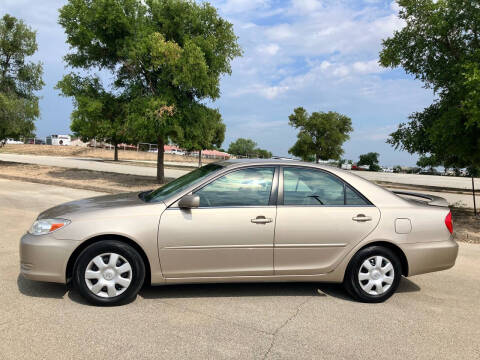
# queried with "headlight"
point(46, 226)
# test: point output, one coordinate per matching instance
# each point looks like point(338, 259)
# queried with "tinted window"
point(303, 186)
point(246, 187)
point(311, 187)
point(352, 198)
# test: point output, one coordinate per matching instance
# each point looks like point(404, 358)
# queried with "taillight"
point(449, 222)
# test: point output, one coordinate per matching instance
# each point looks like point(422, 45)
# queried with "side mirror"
point(189, 202)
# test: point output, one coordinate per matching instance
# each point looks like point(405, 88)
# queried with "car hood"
point(98, 203)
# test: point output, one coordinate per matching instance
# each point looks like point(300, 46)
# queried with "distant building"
point(215, 154)
point(59, 140)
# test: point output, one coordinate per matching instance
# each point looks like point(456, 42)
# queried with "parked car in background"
point(178, 152)
point(243, 221)
point(10, 141)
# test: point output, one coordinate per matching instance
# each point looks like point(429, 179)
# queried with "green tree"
point(262, 153)
point(206, 131)
point(321, 135)
point(248, 148)
point(97, 113)
point(430, 162)
point(19, 79)
point(370, 159)
point(440, 45)
point(242, 147)
point(165, 56)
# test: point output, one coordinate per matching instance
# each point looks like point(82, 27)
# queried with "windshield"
point(181, 183)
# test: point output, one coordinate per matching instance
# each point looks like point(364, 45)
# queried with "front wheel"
point(373, 274)
point(109, 273)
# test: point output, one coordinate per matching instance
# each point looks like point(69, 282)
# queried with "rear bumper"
point(45, 258)
point(431, 256)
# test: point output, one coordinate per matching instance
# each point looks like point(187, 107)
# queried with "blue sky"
point(319, 54)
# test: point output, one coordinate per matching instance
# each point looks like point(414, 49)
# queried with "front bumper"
point(45, 258)
point(430, 256)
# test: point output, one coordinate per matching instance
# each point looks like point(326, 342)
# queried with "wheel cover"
point(376, 275)
point(108, 275)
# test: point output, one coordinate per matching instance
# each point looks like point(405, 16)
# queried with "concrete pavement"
point(433, 316)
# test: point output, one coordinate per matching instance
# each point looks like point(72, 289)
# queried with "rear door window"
point(302, 186)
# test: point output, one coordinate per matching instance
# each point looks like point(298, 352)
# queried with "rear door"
point(319, 219)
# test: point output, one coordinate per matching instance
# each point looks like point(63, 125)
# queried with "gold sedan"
point(242, 221)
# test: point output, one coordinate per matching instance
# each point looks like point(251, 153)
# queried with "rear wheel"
point(373, 274)
point(109, 273)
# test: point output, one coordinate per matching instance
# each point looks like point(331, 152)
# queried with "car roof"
point(233, 162)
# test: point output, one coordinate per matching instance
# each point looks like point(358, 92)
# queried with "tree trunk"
point(115, 151)
point(473, 193)
point(199, 158)
point(160, 167)
point(317, 157)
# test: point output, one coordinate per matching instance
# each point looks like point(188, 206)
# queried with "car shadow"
point(41, 289)
point(258, 289)
point(50, 290)
point(229, 290)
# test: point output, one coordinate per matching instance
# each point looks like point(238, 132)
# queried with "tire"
point(116, 273)
point(376, 284)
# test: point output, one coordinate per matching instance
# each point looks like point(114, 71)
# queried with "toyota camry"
point(242, 221)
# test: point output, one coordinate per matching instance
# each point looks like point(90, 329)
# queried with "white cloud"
point(395, 7)
point(268, 49)
point(375, 134)
point(280, 32)
point(306, 6)
point(242, 6)
point(367, 67)
point(266, 91)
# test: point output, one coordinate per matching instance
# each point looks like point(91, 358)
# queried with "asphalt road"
point(433, 316)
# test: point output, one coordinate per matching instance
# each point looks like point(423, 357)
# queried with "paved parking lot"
point(434, 316)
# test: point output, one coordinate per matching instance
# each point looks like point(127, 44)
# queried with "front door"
point(230, 234)
point(319, 219)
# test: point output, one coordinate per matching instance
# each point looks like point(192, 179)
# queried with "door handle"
point(361, 218)
point(261, 220)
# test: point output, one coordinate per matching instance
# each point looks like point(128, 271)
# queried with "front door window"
point(245, 187)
